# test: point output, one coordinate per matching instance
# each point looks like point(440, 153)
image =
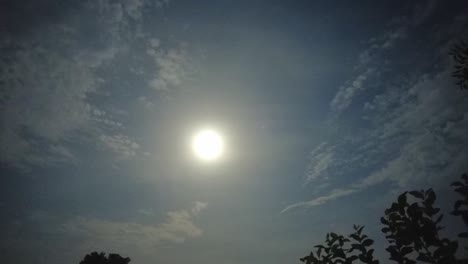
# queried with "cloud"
point(120, 145)
point(47, 86)
point(430, 130)
point(74, 236)
point(44, 103)
point(52, 155)
point(333, 195)
point(172, 67)
point(322, 158)
point(146, 103)
point(370, 60)
point(162, 3)
point(346, 93)
point(133, 8)
point(121, 19)
point(431, 122)
point(423, 11)
point(177, 228)
point(51, 80)
point(415, 136)
point(198, 207)
point(392, 37)
point(102, 117)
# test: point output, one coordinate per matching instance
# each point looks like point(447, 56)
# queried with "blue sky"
point(329, 109)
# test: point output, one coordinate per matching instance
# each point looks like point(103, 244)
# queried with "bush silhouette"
point(100, 258)
point(411, 226)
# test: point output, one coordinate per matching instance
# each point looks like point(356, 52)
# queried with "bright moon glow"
point(207, 145)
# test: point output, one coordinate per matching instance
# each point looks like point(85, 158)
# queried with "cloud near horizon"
point(95, 232)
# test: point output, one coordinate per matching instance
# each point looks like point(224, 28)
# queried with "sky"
point(328, 110)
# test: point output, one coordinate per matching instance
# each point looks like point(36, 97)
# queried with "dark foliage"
point(340, 249)
point(461, 206)
point(101, 258)
point(459, 54)
point(411, 226)
point(362, 245)
point(414, 228)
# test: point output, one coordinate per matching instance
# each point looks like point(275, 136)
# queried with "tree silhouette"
point(414, 228)
point(100, 258)
point(411, 226)
point(459, 54)
point(461, 206)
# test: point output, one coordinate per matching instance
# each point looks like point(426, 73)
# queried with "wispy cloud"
point(370, 60)
point(172, 67)
point(121, 145)
point(424, 129)
point(416, 135)
point(45, 101)
point(344, 97)
point(322, 158)
point(87, 233)
point(334, 194)
point(52, 80)
point(177, 228)
point(198, 207)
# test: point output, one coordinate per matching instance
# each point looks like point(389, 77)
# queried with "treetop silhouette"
point(101, 258)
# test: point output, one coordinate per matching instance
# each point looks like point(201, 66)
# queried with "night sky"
point(327, 111)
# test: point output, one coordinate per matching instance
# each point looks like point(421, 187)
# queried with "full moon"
point(207, 145)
